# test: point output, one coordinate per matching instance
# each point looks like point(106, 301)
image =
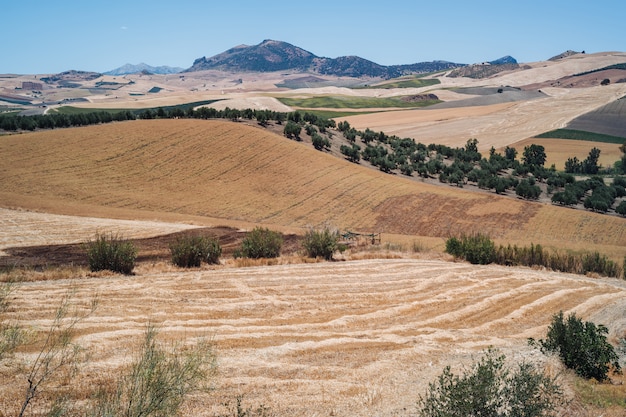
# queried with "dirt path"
point(356, 338)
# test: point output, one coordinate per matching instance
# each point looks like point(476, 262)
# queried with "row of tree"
point(499, 172)
point(12, 122)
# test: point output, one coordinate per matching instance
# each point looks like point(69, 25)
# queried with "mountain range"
point(145, 68)
point(271, 55)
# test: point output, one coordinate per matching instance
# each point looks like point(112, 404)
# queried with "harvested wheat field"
point(559, 150)
point(356, 338)
point(166, 169)
point(496, 125)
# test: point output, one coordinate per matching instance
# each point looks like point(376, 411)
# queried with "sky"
point(46, 37)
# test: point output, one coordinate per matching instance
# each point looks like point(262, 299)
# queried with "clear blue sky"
point(45, 36)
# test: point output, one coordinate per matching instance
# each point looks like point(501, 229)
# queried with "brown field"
point(361, 336)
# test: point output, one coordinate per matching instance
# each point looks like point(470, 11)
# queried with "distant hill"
point(271, 55)
point(504, 60)
point(565, 54)
point(71, 75)
point(145, 68)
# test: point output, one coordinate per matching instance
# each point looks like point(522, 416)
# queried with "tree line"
point(502, 172)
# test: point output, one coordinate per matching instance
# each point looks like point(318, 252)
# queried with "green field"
point(330, 114)
point(581, 135)
point(343, 102)
point(406, 83)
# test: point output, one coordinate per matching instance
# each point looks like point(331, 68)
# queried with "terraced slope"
point(236, 172)
point(356, 338)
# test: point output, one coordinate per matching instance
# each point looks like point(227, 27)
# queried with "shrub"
point(490, 389)
point(581, 346)
point(261, 243)
point(111, 253)
point(158, 381)
point(191, 251)
point(320, 243)
point(476, 248)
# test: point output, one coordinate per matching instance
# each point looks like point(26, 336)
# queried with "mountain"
point(352, 66)
point(504, 60)
point(486, 69)
point(267, 56)
point(133, 69)
point(271, 55)
point(565, 54)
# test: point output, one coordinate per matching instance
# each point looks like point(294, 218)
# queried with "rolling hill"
point(235, 172)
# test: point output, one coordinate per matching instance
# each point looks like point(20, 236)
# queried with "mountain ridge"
point(143, 67)
point(272, 55)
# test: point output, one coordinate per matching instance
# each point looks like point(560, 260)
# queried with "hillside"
point(235, 172)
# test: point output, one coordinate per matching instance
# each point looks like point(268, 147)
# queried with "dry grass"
point(355, 338)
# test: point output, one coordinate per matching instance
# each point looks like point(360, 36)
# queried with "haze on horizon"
point(44, 37)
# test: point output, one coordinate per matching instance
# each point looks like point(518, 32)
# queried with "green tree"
point(534, 155)
point(320, 142)
point(488, 388)
point(590, 165)
point(510, 153)
point(471, 146)
point(582, 346)
point(573, 166)
point(292, 130)
point(353, 153)
point(528, 190)
point(565, 198)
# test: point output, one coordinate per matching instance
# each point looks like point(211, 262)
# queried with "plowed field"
point(356, 338)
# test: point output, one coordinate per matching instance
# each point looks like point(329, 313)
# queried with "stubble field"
point(356, 338)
